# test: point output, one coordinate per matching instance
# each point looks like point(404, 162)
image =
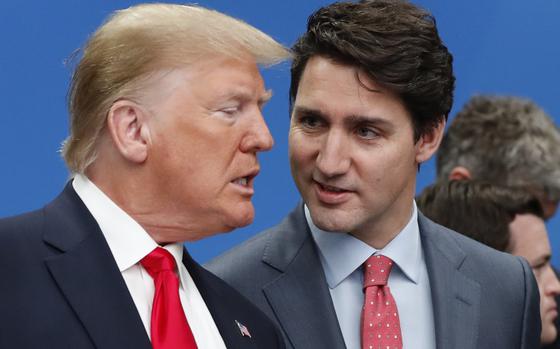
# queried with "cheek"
point(399, 162)
point(543, 296)
point(304, 148)
point(297, 154)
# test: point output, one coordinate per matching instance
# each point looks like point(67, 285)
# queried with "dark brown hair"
point(479, 210)
point(395, 43)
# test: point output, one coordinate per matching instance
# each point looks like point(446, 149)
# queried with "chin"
point(240, 217)
point(331, 218)
point(328, 226)
point(330, 223)
point(548, 334)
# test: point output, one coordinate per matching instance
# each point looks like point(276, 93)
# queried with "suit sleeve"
point(531, 324)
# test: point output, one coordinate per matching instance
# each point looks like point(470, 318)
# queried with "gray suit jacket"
point(482, 298)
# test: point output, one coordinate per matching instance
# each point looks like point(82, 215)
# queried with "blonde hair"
point(135, 42)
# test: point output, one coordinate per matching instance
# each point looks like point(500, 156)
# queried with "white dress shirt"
point(342, 256)
point(129, 243)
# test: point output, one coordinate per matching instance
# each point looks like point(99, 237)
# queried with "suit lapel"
point(217, 304)
point(299, 297)
point(88, 277)
point(455, 298)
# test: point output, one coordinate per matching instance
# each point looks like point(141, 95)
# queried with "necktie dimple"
point(380, 319)
point(169, 326)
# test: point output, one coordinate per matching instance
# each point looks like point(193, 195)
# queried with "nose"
point(258, 138)
point(333, 159)
point(552, 287)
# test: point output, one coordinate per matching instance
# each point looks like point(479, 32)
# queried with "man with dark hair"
point(507, 219)
point(356, 265)
point(480, 210)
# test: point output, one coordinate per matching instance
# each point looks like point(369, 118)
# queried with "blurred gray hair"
point(504, 140)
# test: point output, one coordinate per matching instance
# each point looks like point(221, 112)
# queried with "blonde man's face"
point(205, 136)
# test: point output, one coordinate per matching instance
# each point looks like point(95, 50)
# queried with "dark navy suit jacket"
point(60, 288)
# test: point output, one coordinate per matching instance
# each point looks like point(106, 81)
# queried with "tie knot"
point(157, 261)
point(376, 270)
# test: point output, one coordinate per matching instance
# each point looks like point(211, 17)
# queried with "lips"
point(241, 181)
point(331, 195)
point(245, 182)
point(553, 309)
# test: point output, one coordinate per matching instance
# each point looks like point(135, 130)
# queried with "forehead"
point(340, 90)
point(528, 237)
point(237, 71)
point(220, 76)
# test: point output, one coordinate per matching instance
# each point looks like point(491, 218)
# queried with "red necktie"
point(380, 320)
point(169, 326)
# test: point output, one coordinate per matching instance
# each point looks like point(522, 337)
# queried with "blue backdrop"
point(500, 46)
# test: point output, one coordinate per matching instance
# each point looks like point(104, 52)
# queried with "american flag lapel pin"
point(243, 329)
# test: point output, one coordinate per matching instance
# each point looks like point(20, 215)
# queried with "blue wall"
point(500, 46)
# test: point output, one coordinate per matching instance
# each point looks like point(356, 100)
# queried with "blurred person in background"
point(509, 141)
point(507, 219)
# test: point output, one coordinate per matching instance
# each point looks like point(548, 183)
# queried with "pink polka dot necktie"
point(169, 326)
point(381, 327)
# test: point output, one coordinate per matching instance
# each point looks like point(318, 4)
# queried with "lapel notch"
point(223, 313)
point(88, 277)
point(299, 297)
point(455, 297)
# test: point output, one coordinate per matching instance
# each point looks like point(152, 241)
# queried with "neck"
point(135, 196)
point(382, 229)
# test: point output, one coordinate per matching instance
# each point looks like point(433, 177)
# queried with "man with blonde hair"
point(165, 126)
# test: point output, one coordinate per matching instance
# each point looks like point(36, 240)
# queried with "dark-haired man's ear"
point(129, 130)
point(429, 142)
point(459, 173)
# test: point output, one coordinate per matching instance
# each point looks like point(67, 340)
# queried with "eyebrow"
point(363, 119)
point(267, 95)
point(541, 261)
point(308, 111)
point(243, 95)
point(350, 120)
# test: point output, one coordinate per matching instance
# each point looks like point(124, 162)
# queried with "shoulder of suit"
point(239, 304)
point(249, 252)
point(477, 254)
point(21, 225)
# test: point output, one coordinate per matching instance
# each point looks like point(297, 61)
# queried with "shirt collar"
point(127, 240)
point(341, 253)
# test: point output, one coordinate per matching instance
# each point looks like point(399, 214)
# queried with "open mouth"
point(246, 181)
point(331, 189)
point(241, 181)
point(331, 195)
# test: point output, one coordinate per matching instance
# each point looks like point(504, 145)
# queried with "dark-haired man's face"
point(529, 239)
point(352, 152)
